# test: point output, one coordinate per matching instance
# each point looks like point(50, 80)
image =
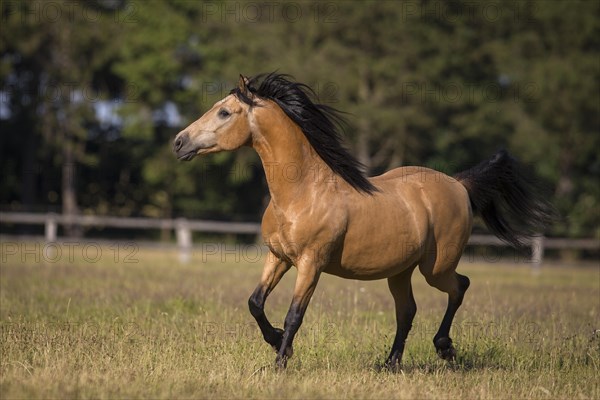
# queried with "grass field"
point(152, 328)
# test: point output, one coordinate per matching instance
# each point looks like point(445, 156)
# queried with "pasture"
point(145, 326)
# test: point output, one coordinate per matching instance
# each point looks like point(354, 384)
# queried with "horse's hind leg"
point(455, 285)
point(406, 308)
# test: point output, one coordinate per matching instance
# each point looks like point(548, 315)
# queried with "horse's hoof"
point(391, 367)
point(289, 351)
point(278, 334)
point(444, 349)
point(275, 340)
point(281, 363)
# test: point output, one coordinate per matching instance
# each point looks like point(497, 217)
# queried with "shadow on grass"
point(464, 362)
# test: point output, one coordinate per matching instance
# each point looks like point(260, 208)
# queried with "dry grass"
point(156, 329)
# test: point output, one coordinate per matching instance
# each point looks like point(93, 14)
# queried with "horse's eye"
point(223, 113)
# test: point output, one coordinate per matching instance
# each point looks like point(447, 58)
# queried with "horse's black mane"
point(320, 123)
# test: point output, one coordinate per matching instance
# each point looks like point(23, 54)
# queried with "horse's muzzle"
point(180, 141)
point(182, 147)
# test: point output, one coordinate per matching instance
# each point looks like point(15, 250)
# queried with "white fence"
point(184, 228)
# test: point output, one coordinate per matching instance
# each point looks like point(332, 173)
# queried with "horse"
point(326, 216)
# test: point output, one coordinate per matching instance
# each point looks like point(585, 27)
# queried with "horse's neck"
point(292, 167)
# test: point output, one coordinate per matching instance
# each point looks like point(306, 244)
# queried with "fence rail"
point(184, 228)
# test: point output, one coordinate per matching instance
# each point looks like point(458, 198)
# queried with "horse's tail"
point(509, 203)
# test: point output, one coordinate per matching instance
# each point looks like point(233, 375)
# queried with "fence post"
point(537, 251)
point(184, 240)
point(50, 228)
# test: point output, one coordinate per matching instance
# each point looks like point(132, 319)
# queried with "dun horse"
point(330, 218)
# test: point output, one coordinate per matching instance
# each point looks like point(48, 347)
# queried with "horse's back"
point(434, 185)
point(416, 210)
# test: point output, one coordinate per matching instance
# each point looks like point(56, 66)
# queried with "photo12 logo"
point(53, 12)
point(470, 93)
point(268, 11)
point(69, 252)
point(475, 10)
point(211, 91)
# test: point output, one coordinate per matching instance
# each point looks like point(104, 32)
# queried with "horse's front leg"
point(273, 270)
point(306, 282)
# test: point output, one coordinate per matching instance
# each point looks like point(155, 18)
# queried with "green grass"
point(157, 329)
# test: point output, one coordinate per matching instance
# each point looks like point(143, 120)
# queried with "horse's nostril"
point(177, 144)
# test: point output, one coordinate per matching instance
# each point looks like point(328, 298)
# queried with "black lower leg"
point(306, 282)
point(442, 341)
point(406, 308)
point(293, 320)
point(256, 303)
point(393, 360)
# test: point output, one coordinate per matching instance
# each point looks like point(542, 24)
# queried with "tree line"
point(92, 94)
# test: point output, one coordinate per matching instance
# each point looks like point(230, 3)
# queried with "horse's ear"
point(243, 85)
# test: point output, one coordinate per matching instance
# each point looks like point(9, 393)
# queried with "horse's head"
point(224, 127)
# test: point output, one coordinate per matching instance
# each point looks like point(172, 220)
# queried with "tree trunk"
point(29, 171)
point(364, 125)
point(69, 192)
point(363, 145)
